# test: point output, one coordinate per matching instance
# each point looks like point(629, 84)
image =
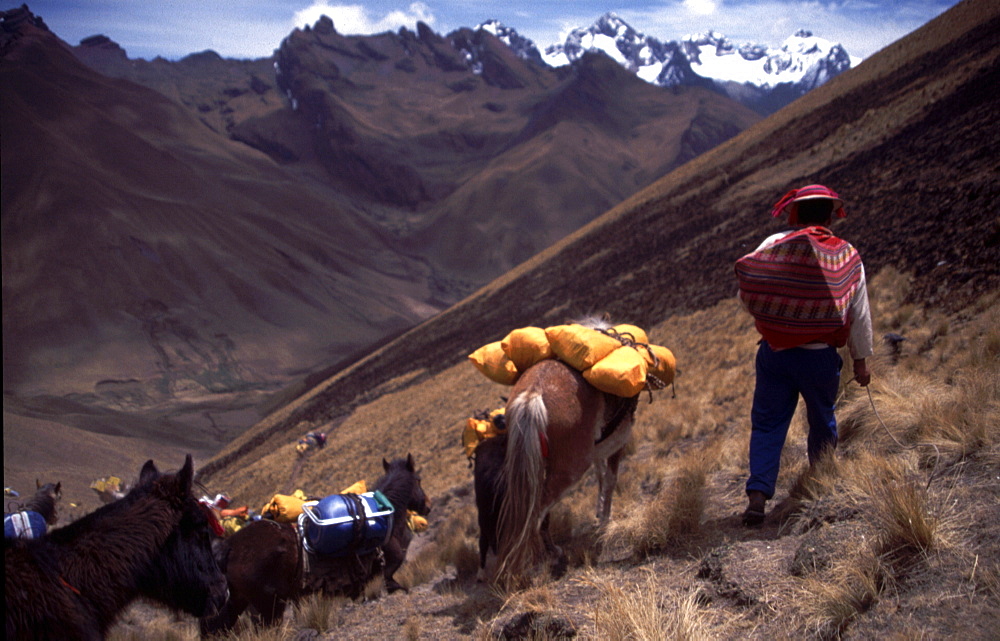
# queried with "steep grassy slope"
point(905, 138)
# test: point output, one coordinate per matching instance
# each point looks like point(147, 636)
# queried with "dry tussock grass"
point(851, 588)
point(456, 545)
point(318, 612)
point(162, 626)
point(645, 611)
point(668, 519)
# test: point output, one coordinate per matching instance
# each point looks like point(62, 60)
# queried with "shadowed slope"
point(139, 245)
point(906, 137)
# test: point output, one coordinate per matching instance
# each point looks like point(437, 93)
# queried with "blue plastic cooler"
point(335, 526)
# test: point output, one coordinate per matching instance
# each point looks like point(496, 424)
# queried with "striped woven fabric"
point(800, 287)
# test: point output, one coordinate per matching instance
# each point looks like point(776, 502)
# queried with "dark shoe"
point(754, 514)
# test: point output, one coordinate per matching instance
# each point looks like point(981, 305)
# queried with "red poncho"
point(799, 289)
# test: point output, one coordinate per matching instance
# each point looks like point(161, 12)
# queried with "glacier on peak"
point(748, 72)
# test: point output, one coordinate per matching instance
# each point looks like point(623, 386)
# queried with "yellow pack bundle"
point(480, 427)
point(664, 366)
point(622, 372)
point(631, 333)
point(494, 363)
point(526, 346)
point(415, 522)
point(358, 487)
point(580, 347)
point(619, 361)
point(285, 508)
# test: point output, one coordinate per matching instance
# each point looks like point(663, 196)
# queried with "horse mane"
point(595, 322)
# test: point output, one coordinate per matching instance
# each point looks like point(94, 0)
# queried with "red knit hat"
point(809, 192)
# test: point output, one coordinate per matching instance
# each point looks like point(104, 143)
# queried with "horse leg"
point(607, 479)
point(395, 554)
point(224, 621)
point(560, 563)
point(273, 611)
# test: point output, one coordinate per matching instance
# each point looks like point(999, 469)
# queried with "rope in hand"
point(937, 452)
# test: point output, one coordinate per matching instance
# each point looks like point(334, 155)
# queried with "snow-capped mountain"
point(523, 47)
point(762, 77)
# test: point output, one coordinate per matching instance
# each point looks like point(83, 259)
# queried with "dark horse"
point(488, 483)
point(558, 426)
point(264, 560)
point(154, 543)
point(33, 519)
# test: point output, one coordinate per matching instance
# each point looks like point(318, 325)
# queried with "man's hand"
point(861, 373)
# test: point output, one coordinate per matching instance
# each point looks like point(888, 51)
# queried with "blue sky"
point(254, 28)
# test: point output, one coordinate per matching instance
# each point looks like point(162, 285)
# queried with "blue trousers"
point(781, 377)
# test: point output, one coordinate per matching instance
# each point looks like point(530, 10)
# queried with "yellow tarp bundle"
point(359, 487)
point(415, 522)
point(622, 372)
point(526, 346)
point(232, 524)
point(631, 332)
point(107, 484)
point(285, 508)
point(477, 429)
point(580, 347)
point(664, 366)
point(495, 364)
point(618, 362)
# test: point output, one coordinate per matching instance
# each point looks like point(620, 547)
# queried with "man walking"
point(807, 293)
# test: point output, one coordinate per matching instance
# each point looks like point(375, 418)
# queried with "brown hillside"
point(894, 537)
point(171, 256)
point(152, 269)
point(473, 172)
point(905, 137)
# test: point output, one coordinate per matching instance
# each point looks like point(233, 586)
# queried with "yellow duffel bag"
point(477, 429)
point(622, 372)
point(495, 364)
point(665, 365)
point(283, 508)
point(526, 346)
point(636, 334)
point(580, 347)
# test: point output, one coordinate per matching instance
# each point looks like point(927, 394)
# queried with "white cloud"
point(356, 19)
point(700, 7)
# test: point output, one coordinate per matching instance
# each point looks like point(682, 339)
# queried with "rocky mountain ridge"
point(762, 77)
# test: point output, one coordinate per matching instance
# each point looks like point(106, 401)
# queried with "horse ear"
point(59, 488)
point(410, 465)
point(148, 472)
point(38, 485)
point(186, 475)
point(385, 464)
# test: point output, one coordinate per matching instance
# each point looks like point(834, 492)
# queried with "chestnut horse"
point(263, 561)
point(558, 426)
point(155, 543)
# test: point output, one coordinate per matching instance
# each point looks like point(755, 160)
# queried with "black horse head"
point(44, 501)
point(401, 485)
point(185, 575)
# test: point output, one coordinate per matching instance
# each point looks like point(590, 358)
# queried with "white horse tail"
point(523, 472)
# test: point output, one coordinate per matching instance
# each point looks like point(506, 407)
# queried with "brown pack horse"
point(263, 561)
point(558, 426)
point(155, 543)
